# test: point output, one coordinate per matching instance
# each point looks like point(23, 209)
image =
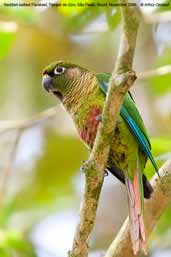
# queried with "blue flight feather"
point(143, 143)
point(142, 140)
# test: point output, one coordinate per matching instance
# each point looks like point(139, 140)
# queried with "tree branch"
point(5, 126)
point(19, 127)
point(159, 17)
point(154, 207)
point(164, 70)
point(6, 173)
point(121, 80)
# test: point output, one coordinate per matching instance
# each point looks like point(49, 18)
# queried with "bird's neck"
point(75, 97)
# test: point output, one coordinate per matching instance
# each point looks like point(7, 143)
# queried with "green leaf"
point(160, 146)
point(3, 252)
point(113, 19)
point(164, 7)
point(13, 241)
point(7, 209)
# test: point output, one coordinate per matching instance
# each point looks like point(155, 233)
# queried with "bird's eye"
point(59, 70)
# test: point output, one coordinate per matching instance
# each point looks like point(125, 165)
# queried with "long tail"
point(135, 204)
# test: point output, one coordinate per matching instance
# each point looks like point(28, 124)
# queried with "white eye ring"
point(59, 70)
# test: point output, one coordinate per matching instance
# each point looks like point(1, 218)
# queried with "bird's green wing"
point(131, 115)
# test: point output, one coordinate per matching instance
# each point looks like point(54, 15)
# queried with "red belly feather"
point(89, 130)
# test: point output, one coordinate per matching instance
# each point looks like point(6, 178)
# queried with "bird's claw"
point(82, 168)
point(99, 118)
point(106, 173)
point(118, 122)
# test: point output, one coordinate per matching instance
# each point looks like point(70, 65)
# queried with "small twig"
point(19, 127)
point(121, 80)
point(6, 173)
point(154, 207)
point(160, 17)
point(5, 126)
point(8, 26)
point(165, 70)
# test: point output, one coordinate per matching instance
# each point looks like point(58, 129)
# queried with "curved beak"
point(47, 83)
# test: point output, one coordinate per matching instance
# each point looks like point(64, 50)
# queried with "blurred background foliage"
point(41, 181)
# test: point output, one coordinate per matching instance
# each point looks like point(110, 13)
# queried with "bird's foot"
point(106, 173)
point(99, 118)
point(82, 168)
point(118, 122)
point(85, 165)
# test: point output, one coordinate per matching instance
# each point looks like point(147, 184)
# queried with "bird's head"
point(61, 77)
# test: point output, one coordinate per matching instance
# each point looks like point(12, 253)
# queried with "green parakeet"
point(82, 93)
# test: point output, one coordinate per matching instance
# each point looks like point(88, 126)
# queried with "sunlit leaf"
point(7, 209)
point(13, 241)
point(4, 252)
point(7, 36)
point(165, 6)
point(72, 7)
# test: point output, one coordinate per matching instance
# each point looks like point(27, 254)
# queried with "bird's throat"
point(59, 95)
